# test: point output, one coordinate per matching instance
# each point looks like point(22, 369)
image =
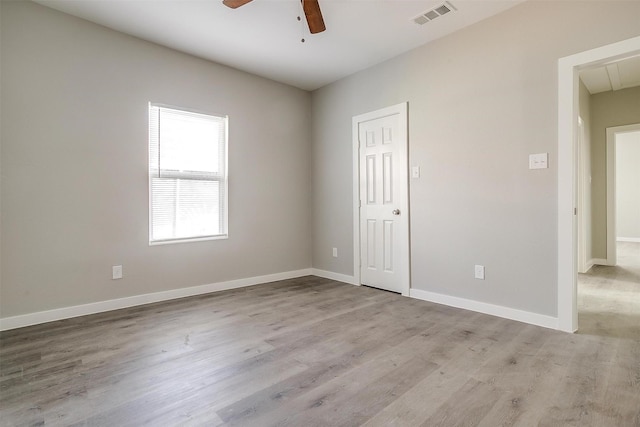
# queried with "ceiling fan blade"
point(314, 16)
point(235, 3)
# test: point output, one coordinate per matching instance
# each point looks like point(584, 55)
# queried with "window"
point(187, 175)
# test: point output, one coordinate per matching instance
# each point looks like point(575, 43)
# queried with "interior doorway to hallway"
point(568, 90)
point(609, 293)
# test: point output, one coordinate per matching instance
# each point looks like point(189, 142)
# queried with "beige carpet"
point(609, 297)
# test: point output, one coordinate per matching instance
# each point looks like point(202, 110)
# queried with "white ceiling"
point(263, 37)
point(615, 76)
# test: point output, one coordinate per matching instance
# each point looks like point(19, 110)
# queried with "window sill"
point(188, 239)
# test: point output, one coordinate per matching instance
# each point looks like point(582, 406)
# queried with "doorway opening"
point(568, 108)
point(609, 293)
point(623, 187)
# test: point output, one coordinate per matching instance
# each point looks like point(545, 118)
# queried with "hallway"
point(609, 297)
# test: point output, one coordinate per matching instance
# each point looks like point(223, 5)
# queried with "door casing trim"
point(568, 108)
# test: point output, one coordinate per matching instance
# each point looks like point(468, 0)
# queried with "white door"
point(383, 198)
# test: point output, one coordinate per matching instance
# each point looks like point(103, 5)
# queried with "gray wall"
point(628, 185)
point(480, 101)
point(608, 109)
point(74, 165)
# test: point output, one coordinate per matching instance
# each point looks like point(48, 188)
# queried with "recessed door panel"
point(387, 178)
point(388, 246)
point(387, 135)
point(371, 244)
point(370, 138)
point(371, 179)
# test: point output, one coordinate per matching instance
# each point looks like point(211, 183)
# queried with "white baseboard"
point(115, 304)
point(481, 307)
point(628, 239)
point(334, 276)
point(588, 267)
point(495, 310)
point(591, 263)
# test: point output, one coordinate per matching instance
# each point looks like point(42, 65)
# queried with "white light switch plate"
point(415, 172)
point(116, 272)
point(479, 272)
point(539, 161)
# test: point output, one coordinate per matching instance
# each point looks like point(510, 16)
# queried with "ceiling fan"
point(311, 11)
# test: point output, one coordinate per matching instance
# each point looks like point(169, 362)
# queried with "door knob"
point(396, 211)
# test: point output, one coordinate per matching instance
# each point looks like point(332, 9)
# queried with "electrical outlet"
point(335, 252)
point(116, 272)
point(479, 272)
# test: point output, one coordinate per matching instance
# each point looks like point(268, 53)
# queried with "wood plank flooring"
point(609, 296)
point(312, 352)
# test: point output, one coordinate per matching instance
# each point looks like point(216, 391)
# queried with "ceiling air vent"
point(443, 9)
point(434, 13)
point(421, 20)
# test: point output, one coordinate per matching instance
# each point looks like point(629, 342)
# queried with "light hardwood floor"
point(313, 352)
point(609, 297)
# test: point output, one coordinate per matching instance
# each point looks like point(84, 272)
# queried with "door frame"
point(404, 264)
point(580, 203)
point(568, 108)
point(612, 132)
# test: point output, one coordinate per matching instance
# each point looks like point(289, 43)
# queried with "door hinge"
point(575, 211)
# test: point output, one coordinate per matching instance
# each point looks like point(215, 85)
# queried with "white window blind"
point(187, 175)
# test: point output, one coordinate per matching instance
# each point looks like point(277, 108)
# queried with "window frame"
point(221, 178)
